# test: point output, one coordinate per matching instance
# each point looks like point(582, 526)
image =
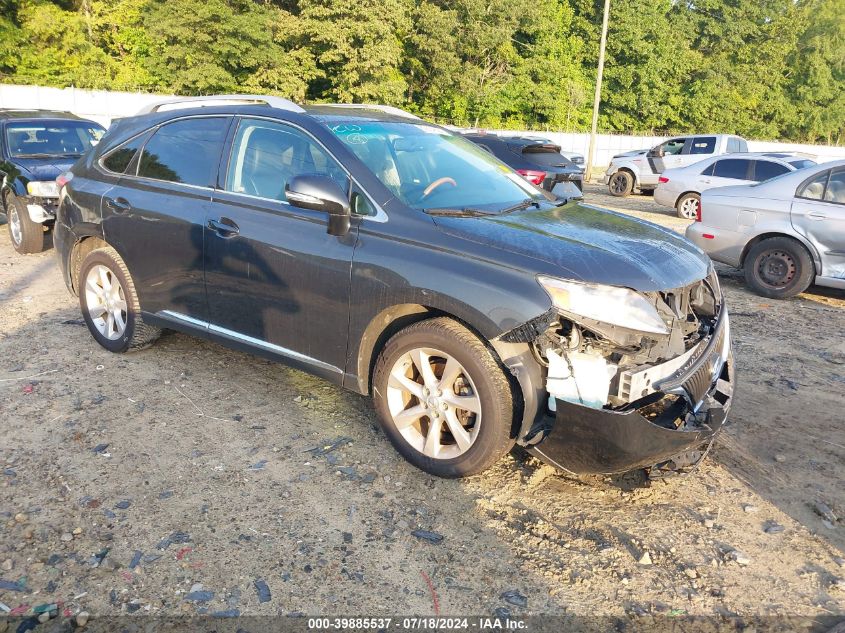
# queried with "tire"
point(482, 380)
point(621, 184)
point(687, 206)
point(135, 334)
point(27, 237)
point(779, 268)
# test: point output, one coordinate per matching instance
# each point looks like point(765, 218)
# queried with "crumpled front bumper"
point(589, 441)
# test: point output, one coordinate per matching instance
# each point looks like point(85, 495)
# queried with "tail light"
point(532, 176)
point(663, 179)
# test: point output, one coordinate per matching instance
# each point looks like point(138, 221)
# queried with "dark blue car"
point(35, 147)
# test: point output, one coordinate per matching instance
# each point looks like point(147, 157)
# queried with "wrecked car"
point(35, 147)
point(401, 261)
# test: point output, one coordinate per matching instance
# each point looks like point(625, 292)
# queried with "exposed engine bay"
point(602, 365)
point(601, 398)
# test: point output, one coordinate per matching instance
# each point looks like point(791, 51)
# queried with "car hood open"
point(586, 243)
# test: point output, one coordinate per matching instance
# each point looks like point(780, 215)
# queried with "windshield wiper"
point(459, 213)
point(528, 202)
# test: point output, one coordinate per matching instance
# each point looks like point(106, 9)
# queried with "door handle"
point(224, 227)
point(816, 215)
point(118, 205)
point(705, 181)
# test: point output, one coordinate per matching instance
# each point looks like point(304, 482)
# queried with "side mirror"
point(321, 193)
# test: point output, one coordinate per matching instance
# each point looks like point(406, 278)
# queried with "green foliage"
point(761, 68)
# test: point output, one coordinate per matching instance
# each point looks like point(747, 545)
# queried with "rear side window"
point(186, 151)
point(801, 163)
point(733, 145)
point(835, 191)
point(703, 145)
point(119, 159)
point(732, 168)
point(814, 189)
point(708, 171)
point(766, 169)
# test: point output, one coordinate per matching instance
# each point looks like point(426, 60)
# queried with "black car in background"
point(35, 147)
point(401, 261)
point(537, 160)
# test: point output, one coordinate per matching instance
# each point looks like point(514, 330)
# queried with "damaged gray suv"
point(401, 261)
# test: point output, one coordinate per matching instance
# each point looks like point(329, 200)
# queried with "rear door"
point(725, 172)
point(155, 215)
point(818, 213)
point(276, 279)
point(699, 148)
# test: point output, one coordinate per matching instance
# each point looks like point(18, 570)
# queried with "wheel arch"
point(630, 170)
point(81, 247)
point(814, 256)
point(385, 325)
point(685, 193)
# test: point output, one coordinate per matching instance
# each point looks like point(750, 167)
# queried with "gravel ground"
point(189, 479)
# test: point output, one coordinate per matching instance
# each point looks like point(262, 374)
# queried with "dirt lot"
point(169, 481)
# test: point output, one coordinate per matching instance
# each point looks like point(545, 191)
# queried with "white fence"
point(103, 106)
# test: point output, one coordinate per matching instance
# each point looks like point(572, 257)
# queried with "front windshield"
point(51, 138)
point(430, 168)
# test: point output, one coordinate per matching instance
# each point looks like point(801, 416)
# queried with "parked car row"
point(403, 261)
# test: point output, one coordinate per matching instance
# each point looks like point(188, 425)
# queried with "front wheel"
point(621, 184)
point(110, 304)
point(779, 268)
point(443, 399)
point(687, 206)
point(27, 236)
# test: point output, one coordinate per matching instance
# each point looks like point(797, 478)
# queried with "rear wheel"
point(687, 206)
point(779, 268)
point(621, 184)
point(110, 304)
point(443, 400)
point(27, 236)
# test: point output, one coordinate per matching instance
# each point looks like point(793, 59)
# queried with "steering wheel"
point(434, 185)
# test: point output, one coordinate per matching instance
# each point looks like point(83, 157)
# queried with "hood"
point(44, 168)
point(585, 243)
point(633, 152)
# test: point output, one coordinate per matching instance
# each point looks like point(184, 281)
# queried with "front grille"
point(700, 382)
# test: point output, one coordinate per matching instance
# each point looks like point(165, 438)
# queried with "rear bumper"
point(63, 241)
point(686, 414)
point(665, 197)
point(720, 244)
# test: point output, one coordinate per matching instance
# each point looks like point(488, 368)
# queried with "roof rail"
point(376, 106)
point(215, 100)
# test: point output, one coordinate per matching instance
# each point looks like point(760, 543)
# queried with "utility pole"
point(591, 153)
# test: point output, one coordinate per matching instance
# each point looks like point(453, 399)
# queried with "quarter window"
point(266, 155)
point(186, 151)
point(814, 190)
point(766, 169)
point(703, 145)
point(835, 191)
point(732, 168)
point(119, 159)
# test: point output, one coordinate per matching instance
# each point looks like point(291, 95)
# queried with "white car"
point(681, 188)
point(637, 170)
point(786, 233)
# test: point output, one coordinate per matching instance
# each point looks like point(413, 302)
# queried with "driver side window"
point(267, 154)
point(672, 147)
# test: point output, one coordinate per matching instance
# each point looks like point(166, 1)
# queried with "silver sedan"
point(786, 233)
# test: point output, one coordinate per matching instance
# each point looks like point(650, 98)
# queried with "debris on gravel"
point(426, 535)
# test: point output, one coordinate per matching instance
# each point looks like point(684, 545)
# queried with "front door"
point(665, 156)
point(275, 278)
point(818, 213)
point(156, 214)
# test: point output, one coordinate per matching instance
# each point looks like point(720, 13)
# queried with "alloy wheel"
point(106, 302)
point(689, 208)
point(15, 224)
point(618, 183)
point(433, 403)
